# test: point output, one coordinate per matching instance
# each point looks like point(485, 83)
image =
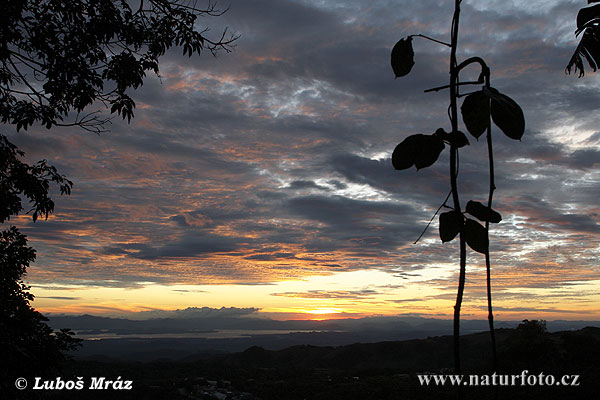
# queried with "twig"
point(432, 39)
point(437, 89)
point(432, 218)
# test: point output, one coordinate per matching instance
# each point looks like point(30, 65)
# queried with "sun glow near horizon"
point(320, 314)
point(352, 294)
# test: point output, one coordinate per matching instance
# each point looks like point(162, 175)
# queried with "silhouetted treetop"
point(28, 344)
point(62, 56)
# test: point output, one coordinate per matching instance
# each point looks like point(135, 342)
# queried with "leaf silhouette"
point(482, 212)
point(403, 156)
point(587, 16)
point(476, 236)
point(429, 151)
point(588, 20)
point(506, 114)
point(418, 150)
point(403, 57)
point(450, 223)
point(475, 111)
point(458, 139)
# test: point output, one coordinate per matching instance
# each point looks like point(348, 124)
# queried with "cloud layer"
point(273, 162)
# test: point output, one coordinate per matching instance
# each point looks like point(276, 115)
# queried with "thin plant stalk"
point(453, 181)
point(487, 229)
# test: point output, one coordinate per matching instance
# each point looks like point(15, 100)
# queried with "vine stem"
point(485, 76)
point(487, 230)
point(453, 181)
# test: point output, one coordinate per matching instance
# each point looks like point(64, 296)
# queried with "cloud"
point(189, 246)
point(196, 312)
point(335, 294)
point(296, 185)
point(273, 162)
point(536, 310)
point(58, 297)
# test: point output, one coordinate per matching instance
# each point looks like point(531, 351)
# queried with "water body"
point(211, 334)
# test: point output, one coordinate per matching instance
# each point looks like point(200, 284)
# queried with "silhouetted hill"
point(577, 348)
point(433, 353)
point(359, 371)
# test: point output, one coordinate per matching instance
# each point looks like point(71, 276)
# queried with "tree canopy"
point(58, 57)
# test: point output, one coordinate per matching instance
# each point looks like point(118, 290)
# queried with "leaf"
point(450, 223)
point(418, 150)
point(428, 151)
point(457, 139)
point(403, 57)
point(587, 15)
point(482, 212)
point(506, 114)
point(589, 48)
point(588, 19)
point(475, 111)
point(403, 156)
point(476, 236)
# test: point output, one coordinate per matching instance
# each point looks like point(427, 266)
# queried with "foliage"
point(29, 345)
point(588, 22)
point(479, 109)
point(531, 347)
point(62, 56)
point(19, 179)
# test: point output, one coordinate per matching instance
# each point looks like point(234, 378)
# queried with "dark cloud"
point(197, 312)
point(58, 297)
point(584, 159)
point(364, 228)
point(305, 185)
point(194, 245)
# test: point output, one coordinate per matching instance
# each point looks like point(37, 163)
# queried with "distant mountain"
point(426, 326)
point(178, 338)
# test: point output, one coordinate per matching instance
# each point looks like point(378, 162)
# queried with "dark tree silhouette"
point(27, 343)
point(62, 56)
point(57, 60)
point(478, 110)
point(530, 347)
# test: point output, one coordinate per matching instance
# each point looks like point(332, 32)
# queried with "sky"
point(261, 179)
